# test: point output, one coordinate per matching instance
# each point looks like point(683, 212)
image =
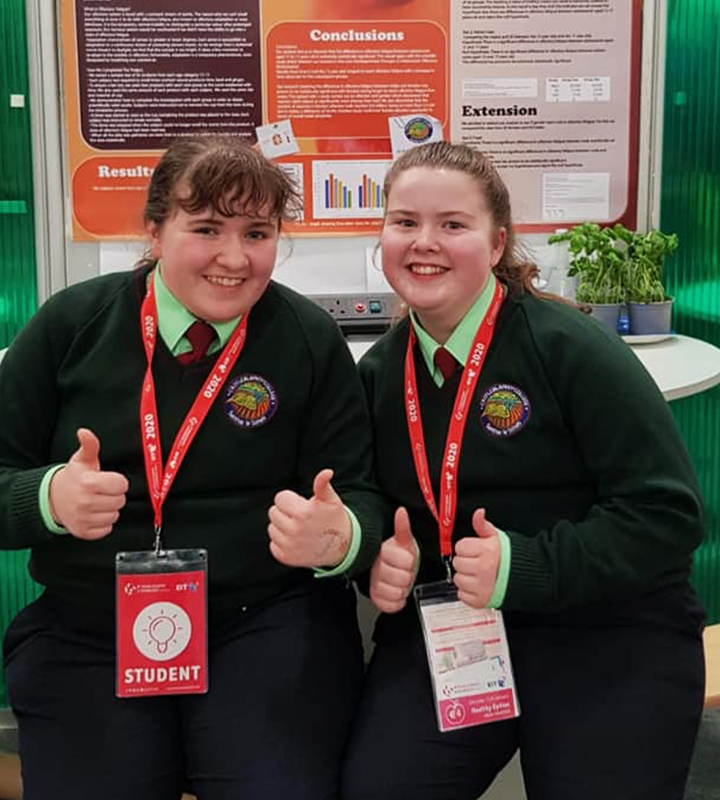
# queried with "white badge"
point(413, 130)
point(277, 139)
point(469, 659)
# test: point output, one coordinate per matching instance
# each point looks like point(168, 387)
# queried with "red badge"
point(161, 628)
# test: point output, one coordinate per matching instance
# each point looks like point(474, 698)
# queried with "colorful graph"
point(348, 189)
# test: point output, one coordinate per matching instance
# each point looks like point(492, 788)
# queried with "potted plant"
point(599, 266)
point(649, 307)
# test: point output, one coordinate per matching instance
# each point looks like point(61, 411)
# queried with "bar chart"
point(348, 189)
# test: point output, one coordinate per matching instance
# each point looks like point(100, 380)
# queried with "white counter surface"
point(681, 366)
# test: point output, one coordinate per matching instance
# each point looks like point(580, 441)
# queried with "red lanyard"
point(149, 424)
point(453, 443)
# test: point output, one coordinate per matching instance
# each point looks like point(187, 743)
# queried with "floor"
point(704, 783)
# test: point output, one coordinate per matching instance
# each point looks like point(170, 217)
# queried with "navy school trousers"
point(611, 699)
point(284, 683)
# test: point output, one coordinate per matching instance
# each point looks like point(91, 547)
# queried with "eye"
point(404, 222)
point(454, 225)
point(206, 230)
point(257, 235)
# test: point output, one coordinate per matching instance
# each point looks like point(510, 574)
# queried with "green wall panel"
point(691, 207)
point(18, 282)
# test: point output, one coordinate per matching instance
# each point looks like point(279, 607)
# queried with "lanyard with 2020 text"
point(149, 425)
point(453, 443)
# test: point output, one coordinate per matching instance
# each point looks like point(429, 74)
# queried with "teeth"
point(222, 281)
point(426, 269)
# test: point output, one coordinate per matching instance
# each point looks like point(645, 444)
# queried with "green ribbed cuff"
point(44, 501)
point(351, 554)
point(498, 595)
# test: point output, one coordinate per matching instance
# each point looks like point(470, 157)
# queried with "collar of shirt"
point(461, 338)
point(174, 319)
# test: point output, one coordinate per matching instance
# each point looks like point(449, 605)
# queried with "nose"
point(425, 238)
point(232, 253)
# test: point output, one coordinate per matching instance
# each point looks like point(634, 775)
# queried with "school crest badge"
point(504, 410)
point(250, 401)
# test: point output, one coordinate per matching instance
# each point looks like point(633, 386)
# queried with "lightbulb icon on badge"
point(162, 631)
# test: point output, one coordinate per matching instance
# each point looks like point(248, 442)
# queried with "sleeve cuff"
point(350, 556)
point(44, 501)
point(498, 595)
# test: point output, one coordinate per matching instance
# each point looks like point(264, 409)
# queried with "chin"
point(218, 319)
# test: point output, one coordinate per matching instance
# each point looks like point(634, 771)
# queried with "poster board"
point(549, 89)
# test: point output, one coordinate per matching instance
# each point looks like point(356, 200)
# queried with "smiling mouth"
point(217, 280)
point(427, 269)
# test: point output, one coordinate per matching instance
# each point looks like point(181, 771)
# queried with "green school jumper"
point(570, 448)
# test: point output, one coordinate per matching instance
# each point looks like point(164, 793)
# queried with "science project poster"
point(549, 89)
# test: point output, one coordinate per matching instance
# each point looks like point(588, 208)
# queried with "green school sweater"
point(569, 446)
point(292, 406)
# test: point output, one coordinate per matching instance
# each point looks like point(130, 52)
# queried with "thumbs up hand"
point(83, 498)
point(476, 562)
point(393, 572)
point(314, 532)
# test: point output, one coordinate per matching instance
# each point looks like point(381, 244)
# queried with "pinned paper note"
point(277, 139)
point(413, 130)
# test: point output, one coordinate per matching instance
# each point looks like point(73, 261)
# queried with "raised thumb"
point(481, 526)
point(323, 489)
point(403, 533)
point(88, 454)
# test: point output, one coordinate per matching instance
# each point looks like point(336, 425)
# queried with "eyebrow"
point(439, 214)
point(218, 219)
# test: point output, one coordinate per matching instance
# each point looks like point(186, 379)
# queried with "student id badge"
point(469, 659)
point(161, 625)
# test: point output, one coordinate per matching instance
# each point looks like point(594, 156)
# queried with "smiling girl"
point(558, 490)
point(270, 473)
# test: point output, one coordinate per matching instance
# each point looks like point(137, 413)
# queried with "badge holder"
point(469, 659)
point(161, 630)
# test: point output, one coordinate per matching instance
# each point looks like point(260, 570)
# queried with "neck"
point(439, 329)
point(440, 324)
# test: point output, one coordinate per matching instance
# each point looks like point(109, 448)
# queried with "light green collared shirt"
point(173, 320)
point(459, 344)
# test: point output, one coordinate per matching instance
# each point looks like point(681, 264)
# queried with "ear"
point(153, 230)
point(498, 246)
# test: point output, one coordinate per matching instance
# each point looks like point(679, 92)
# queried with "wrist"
point(339, 545)
point(49, 515)
point(53, 488)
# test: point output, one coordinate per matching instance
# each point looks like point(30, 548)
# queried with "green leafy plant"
point(617, 265)
point(596, 261)
point(646, 254)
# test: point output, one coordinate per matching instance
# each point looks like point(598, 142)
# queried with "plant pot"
point(650, 318)
point(607, 314)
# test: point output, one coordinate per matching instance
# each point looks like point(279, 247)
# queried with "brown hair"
point(512, 268)
point(222, 173)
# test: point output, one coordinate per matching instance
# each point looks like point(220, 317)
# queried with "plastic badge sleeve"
point(161, 622)
point(468, 657)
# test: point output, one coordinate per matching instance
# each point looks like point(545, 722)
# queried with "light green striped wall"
point(691, 207)
point(18, 290)
point(18, 284)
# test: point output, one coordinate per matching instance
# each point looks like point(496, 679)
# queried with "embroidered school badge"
point(504, 410)
point(250, 401)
